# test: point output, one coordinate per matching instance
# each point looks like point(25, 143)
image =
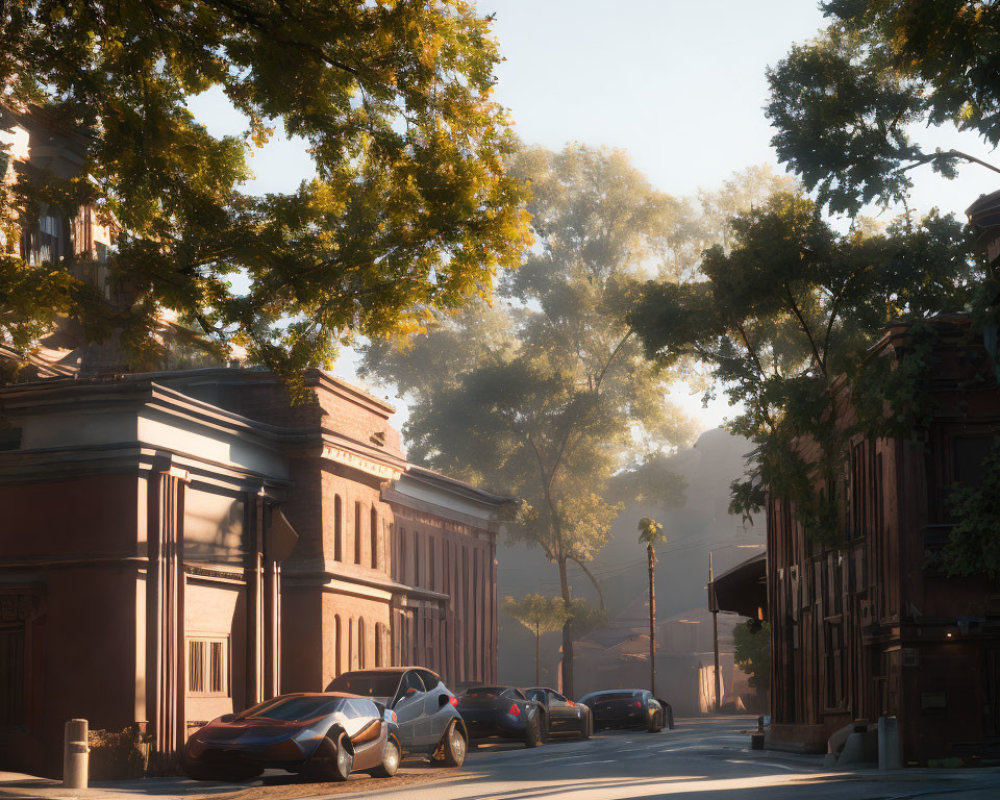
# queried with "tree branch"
point(805, 328)
point(590, 575)
point(929, 157)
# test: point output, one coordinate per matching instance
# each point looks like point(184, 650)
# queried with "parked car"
point(324, 735)
point(502, 711)
point(429, 722)
point(628, 708)
point(562, 716)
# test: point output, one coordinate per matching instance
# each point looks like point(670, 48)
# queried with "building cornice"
point(329, 574)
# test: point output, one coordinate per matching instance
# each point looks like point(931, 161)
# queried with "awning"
point(742, 589)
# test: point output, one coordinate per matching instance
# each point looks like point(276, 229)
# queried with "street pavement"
point(703, 759)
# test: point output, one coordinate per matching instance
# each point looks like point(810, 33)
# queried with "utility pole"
point(713, 606)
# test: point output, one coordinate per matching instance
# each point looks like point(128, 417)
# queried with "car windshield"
point(367, 684)
point(615, 696)
point(484, 691)
point(293, 709)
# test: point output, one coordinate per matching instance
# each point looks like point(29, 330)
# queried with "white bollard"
point(76, 755)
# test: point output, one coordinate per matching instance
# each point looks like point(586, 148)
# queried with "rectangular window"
point(357, 532)
point(208, 667)
point(431, 557)
point(338, 528)
point(402, 555)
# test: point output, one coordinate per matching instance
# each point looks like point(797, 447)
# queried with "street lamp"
point(713, 606)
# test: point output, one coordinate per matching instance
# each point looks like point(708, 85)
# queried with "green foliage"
point(537, 613)
point(752, 643)
point(410, 208)
point(787, 313)
point(973, 546)
point(585, 618)
point(651, 534)
point(843, 103)
point(547, 394)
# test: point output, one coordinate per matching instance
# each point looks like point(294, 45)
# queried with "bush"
point(118, 754)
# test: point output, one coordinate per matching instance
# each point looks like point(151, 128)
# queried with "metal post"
point(76, 754)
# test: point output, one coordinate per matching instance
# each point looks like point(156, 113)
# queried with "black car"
point(326, 736)
point(428, 720)
point(628, 708)
point(562, 716)
point(502, 711)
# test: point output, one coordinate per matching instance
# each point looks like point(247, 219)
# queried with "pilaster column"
point(165, 656)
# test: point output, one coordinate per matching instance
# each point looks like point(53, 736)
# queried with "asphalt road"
point(701, 759)
point(707, 759)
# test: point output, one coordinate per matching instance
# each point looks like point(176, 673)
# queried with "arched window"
point(416, 560)
point(379, 634)
point(357, 532)
point(350, 644)
point(338, 528)
point(361, 643)
point(338, 644)
point(374, 522)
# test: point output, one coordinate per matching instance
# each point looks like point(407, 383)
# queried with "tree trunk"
point(567, 635)
point(538, 645)
point(652, 622)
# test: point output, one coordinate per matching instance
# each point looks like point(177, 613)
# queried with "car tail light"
point(638, 704)
point(394, 717)
point(453, 700)
point(571, 704)
point(514, 711)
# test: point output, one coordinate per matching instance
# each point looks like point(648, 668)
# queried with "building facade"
point(175, 546)
point(875, 627)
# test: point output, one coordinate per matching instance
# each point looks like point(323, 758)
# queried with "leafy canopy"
point(651, 534)
point(547, 394)
point(537, 613)
point(844, 104)
point(409, 209)
point(787, 312)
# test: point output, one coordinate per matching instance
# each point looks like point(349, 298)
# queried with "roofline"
point(454, 486)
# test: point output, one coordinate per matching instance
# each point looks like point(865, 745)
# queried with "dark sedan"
point(326, 736)
point(502, 711)
point(429, 722)
point(562, 716)
point(628, 708)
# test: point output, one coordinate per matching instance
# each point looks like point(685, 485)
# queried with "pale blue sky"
point(679, 84)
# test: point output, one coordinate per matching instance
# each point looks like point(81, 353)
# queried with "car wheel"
point(586, 727)
point(336, 761)
point(533, 732)
point(453, 747)
point(654, 723)
point(390, 760)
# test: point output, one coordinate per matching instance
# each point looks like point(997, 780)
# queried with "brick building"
point(873, 627)
point(178, 545)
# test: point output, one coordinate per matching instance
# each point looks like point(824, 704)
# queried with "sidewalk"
point(14, 785)
point(273, 785)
